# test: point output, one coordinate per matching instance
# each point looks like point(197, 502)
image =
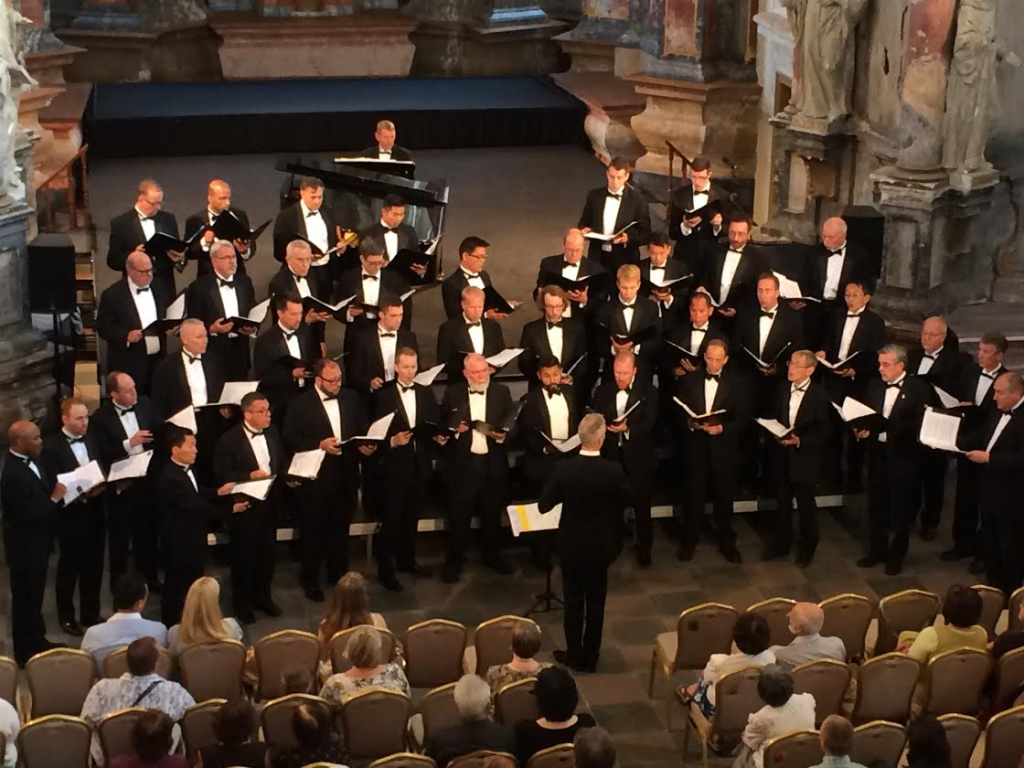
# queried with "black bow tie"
point(370, 277)
point(388, 335)
point(853, 314)
point(991, 376)
point(225, 283)
point(73, 440)
point(932, 355)
point(555, 390)
point(477, 392)
point(288, 334)
point(553, 325)
point(837, 252)
point(568, 264)
point(253, 432)
point(142, 290)
point(329, 397)
point(700, 330)
point(27, 460)
point(387, 229)
point(710, 376)
point(627, 306)
point(311, 214)
point(146, 218)
point(192, 359)
point(404, 388)
point(801, 387)
point(616, 196)
point(299, 278)
point(655, 266)
point(628, 390)
point(473, 325)
point(768, 313)
point(122, 411)
point(897, 384)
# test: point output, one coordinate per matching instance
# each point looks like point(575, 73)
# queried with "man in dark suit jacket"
point(633, 439)
point(998, 448)
point(896, 459)
point(370, 363)
point(626, 314)
point(120, 322)
point(406, 466)
point(555, 336)
point(30, 496)
point(550, 415)
point(133, 228)
point(692, 223)
point(685, 341)
point(610, 209)
point(296, 277)
point(324, 417)
point(370, 284)
point(471, 272)
point(392, 231)
point(80, 525)
point(217, 296)
point(309, 220)
point(476, 464)
point(128, 423)
point(729, 273)
point(218, 203)
point(829, 269)
point(281, 379)
point(853, 330)
point(469, 331)
point(656, 271)
point(476, 731)
point(802, 405)
point(571, 265)
point(187, 509)
point(385, 148)
point(253, 450)
point(594, 493)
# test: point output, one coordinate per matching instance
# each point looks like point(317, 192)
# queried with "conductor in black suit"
point(799, 458)
point(187, 510)
point(711, 447)
point(385, 147)
point(571, 265)
point(594, 493)
point(253, 450)
point(469, 331)
point(126, 309)
point(297, 278)
point(476, 464)
point(135, 227)
point(127, 423)
point(896, 459)
point(277, 350)
point(998, 448)
point(218, 203)
point(610, 209)
point(324, 417)
point(30, 495)
point(80, 526)
point(728, 272)
point(555, 336)
point(310, 220)
point(216, 297)
point(406, 467)
point(471, 272)
point(691, 222)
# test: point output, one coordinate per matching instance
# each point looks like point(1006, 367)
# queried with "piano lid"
point(346, 178)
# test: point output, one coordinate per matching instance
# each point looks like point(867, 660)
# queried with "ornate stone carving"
point(14, 79)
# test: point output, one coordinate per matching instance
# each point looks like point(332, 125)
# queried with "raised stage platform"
point(260, 116)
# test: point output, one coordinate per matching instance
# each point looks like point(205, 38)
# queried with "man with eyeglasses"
point(471, 272)
point(126, 310)
point(370, 284)
point(695, 213)
point(131, 230)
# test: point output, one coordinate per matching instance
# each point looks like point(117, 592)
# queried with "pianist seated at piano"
point(385, 147)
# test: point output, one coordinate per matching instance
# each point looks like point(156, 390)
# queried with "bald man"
point(805, 622)
point(218, 202)
point(137, 225)
point(30, 496)
point(828, 269)
point(570, 265)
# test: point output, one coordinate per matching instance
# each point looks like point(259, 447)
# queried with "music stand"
point(526, 519)
point(547, 601)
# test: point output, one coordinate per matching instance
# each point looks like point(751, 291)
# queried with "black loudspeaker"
point(51, 274)
point(866, 227)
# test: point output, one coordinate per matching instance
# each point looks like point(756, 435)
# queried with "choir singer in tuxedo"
point(218, 203)
point(80, 526)
point(555, 336)
point(550, 415)
point(324, 417)
point(471, 273)
point(657, 269)
point(30, 496)
point(296, 277)
point(371, 361)
point(571, 265)
point(253, 450)
point(220, 294)
point(594, 493)
point(370, 284)
point(693, 335)
point(468, 332)
point(728, 272)
point(829, 269)
point(626, 314)
point(187, 510)
point(612, 208)
point(393, 232)
point(997, 446)
point(310, 220)
point(126, 309)
point(691, 222)
point(896, 459)
point(476, 464)
point(798, 458)
point(284, 354)
point(630, 406)
point(711, 447)
point(406, 467)
point(133, 229)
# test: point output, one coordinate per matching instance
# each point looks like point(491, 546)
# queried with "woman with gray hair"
point(473, 698)
point(783, 712)
point(367, 670)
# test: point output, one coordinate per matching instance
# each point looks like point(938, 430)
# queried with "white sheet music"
point(136, 465)
point(176, 309)
point(234, 391)
point(840, 364)
point(307, 463)
point(378, 430)
point(854, 409)
point(527, 517)
point(186, 418)
point(81, 480)
point(259, 313)
point(687, 408)
point(607, 238)
point(940, 430)
point(505, 357)
point(775, 426)
point(947, 400)
point(569, 444)
point(711, 298)
point(256, 489)
point(426, 378)
point(789, 289)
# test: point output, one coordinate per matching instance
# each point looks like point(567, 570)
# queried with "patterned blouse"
point(501, 675)
point(341, 687)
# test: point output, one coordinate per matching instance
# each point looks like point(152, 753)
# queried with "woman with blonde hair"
point(349, 608)
point(202, 620)
point(368, 670)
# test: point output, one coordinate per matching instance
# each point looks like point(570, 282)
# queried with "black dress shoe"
point(868, 561)
point(563, 658)
point(928, 534)
point(499, 564)
point(415, 569)
point(952, 554)
point(72, 628)
point(732, 556)
point(450, 574)
point(684, 553)
point(391, 584)
point(977, 566)
point(270, 608)
point(893, 567)
point(314, 593)
point(246, 617)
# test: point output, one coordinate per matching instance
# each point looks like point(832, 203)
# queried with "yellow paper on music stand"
point(526, 518)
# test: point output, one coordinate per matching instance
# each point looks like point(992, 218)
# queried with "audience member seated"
point(297, 679)
point(201, 619)
point(750, 635)
point(557, 699)
point(152, 742)
point(472, 697)
point(783, 712)
point(836, 739)
point(525, 644)
point(368, 669)
point(140, 686)
point(961, 611)
point(9, 727)
point(1010, 640)
point(927, 745)
point(234, 725)
point(806, 621)
point(593, 748)
point(349, 608)
point(317, 740)
point(127, 624)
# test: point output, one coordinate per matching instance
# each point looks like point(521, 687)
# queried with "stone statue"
point(825, 52)
point(13, 80)
point(971, 95)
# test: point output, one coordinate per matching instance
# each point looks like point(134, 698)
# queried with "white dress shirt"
point(833, 271)
point(228, 298)
point(473, 278)
point(764, 327)
point(892, 393)
point(78, 447)
point(558, 415)
point(478, 412)
point(258, 443)
point(333, 410)
point(408, 397)
point(211, 217)
point(130, 424)
point(476, 335)
point(196, 378)
point(301, 285)
point(390, 241)
point(700, 199)
point(927, 361)
point(610, 214)
point(628, 310)
point(985, 379)
point(1001, 425)
point(145, 305)
point(570, 272)
point(621, 399)
point(554, 333)
point(30, 462)
point(291, 340)
point(371, 288)
point(796, 398)
point(732, 263)
point(316, 232)
point(697, 336)
point(388, 341)
point(710, 392)
point(849, 329)
point(148, 224)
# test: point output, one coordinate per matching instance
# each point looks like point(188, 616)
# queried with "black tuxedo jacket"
point(679, 333)
point(743, 290)
point(637, 452)
point(453, 341)
point(674, 267)
point(594, 493)
point(855, 266)
point(171, 392)
point(407, 237)
point(680, 203)
point(868, 339)
point(535, 419)
point(397, 152)
point(276, 381)
point(455, 409)
point(611, 318)
point(196, 252)
point(415, 459)
point(596, 294)
point(902, 448)
point(947, 370)
point(723, 449)
point(126, 233)
point(84, 513)
point(110, 434)
point(966, 390)
point(631, 208)
point(535, 345)
point(203, 300)
point(235, 460)
point(29, 513)
point(186, 515)
point(392, 285)
point(283, 282)
point(365, 361)
point(805, 463)
point(290, 223)
point(116, 317)
point(1000, 486)
point(451, 291)
point(306, 424)
point(787, 328)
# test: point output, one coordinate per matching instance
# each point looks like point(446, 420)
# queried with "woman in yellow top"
point(961, 611)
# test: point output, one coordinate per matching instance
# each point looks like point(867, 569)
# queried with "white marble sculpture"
point(13, 80)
